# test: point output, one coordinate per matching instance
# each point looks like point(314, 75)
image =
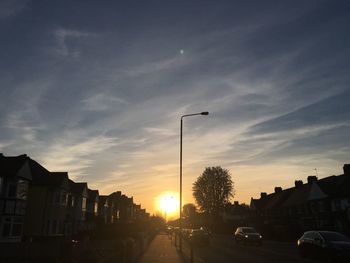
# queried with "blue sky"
point(97, 89)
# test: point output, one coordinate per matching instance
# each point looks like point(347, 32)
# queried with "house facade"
point(317, 204)
point(15, 177)
point(36, 203)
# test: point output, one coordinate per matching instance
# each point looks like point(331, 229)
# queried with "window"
point(70, 201)
point(56, 197)
point(12, 190)
point(10, 207)
point(12, 227)
point(20, 208)
point(95, 208)
point(83, 206)
point(22, 189)
point(17, 228)
point(63, 200)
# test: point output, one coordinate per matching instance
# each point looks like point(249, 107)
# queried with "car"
point(324, 244)
point(247, 235)
point(199, 237)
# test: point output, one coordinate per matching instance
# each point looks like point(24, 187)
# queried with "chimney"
point(298, 183)
point(236, 203)
point(263, 195)
point(278, 189)
point(346, 169)
point(311, 178)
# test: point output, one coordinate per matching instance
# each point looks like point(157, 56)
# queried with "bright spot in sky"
point(182, 51)
point(168, 203)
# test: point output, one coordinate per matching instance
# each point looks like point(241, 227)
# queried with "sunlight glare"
point(168, 203)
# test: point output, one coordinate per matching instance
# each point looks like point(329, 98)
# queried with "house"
point(77, 201)
point(47, 213)
point(15, 177)
point(317, 204)
point(235, 213)
point(126, 209)
point(92, 208)
point(115, 203)
point(103, 208)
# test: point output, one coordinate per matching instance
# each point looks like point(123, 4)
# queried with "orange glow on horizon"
point(168, 204)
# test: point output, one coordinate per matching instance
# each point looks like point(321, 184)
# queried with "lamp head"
point(205, 113)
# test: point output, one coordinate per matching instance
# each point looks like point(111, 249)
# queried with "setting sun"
point(168, 203)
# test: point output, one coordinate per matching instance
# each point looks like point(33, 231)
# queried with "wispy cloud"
point(102, 102)
point(64, 37)
point(75, 156)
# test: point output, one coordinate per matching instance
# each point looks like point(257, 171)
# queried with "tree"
point(189, 210)
point(213, 189)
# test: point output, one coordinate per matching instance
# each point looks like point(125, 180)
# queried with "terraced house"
point(317, 204)
point(15, 177)
point(36, 203)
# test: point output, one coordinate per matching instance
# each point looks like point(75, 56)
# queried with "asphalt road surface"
point(223, 249)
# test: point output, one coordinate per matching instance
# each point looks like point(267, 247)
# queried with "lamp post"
point(181, 125)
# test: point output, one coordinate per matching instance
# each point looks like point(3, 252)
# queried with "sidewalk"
point(161, 250)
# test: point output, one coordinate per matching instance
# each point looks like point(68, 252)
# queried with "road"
point(222, 249)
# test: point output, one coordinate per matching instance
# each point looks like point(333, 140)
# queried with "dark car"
point(247, 235)
point(325, 244)
point(199, 237)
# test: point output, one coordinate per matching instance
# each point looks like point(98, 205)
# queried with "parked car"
point(247, 235)
point(325, 244)
point(199, 237)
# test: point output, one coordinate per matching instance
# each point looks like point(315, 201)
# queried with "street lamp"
point(183, 116)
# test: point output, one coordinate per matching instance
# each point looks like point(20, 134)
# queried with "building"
point(36, 203)
point(317, 204)
point(77, 203)
point(47, 211)
point(92, 208)
point(15, 177)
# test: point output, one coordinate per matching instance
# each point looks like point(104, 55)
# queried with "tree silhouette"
point(213, 189)
point(189, 210)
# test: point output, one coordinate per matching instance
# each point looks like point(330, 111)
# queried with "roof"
point(38, 171)
point(10, 165)
point(336, 186)
point(331, 186)
point(53, 179)
point(277, 199)
point(77, 188)
point(92, 194)
point(299, 195)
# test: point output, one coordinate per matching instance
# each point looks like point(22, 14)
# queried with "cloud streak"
point(100, 96)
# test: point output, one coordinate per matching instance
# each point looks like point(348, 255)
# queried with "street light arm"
point(194, 114)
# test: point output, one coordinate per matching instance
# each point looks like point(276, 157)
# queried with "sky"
point(97, 88)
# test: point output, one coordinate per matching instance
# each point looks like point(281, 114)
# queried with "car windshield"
point(333, 236)
point(249, 230)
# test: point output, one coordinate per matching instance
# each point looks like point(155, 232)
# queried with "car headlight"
point(246, 236)
point(260, 236)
